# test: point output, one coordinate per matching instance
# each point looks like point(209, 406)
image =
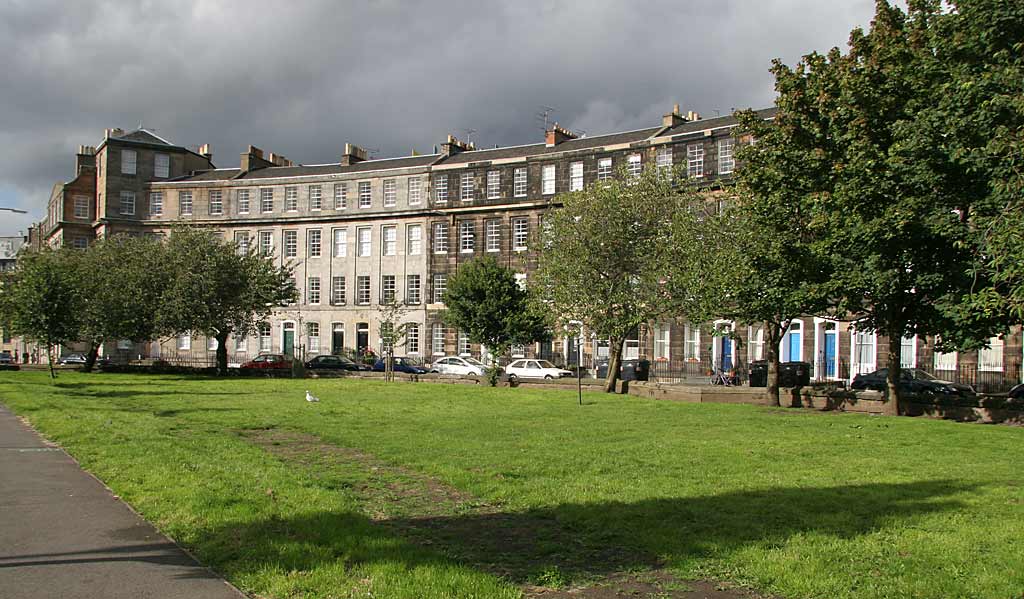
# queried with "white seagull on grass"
point(310, 397)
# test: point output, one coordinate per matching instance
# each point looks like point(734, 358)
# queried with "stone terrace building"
point(360, 232)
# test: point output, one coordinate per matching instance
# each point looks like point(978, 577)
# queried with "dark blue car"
point(401, 365)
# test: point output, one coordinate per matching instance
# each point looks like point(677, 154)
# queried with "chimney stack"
point(556, 135)
point(252, 159)
point(454, 146)
point(85, 159)
point(115, 132)
point(673, 119)
point(692, 116)
point(352, 155)
point(206, 152)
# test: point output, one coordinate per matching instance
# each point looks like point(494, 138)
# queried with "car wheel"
point(513, 377)
point(548, 377)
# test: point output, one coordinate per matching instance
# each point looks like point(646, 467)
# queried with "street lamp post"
point(14, 210)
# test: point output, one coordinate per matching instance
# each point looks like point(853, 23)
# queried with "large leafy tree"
point(118, 278)
point(484, 300)
point(605, 254)
point(218, 290)
point(899, 242)
point(42, 299)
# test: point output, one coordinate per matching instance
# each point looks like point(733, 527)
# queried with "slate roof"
point(571, 145)
point(337, 169)
point(223, 174)
point(713, 123)
point(145, 137)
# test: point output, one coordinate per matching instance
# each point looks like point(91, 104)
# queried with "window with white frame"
point(945, 360)
point(990, 359)
point(363, 248)
point(633, 165)
point(415, 191)
point(863, 351)
point(467, 190)
point(726, 163)
point(316, 200)
point(313, 337)
point(519, 182)
point(389, 289)
point(695, 160)
point(520, 233)
point(412, 338)
point(291, 244)
point(437, 339)
point(467, 236)
point(266, 242)
point(493, 185)
point(80, 242)
point(604, 169)
point(338, 291)
point(291, 199)
point(265, 337)
point(662, 342)
point(363, 290)
point(547, 179)
point(441, 189)
point(313, 290)
point(390, 192)
point(81, 209)
point(184, 342)
point(267, 199)
point(663, 158)
point(156, 203)
point(211, 344)
point(389, 240)
point(365, 197)
point(440, 285)
point(691, 343)
point(518, 350)
point(127, 203)
point(240, 344)
point(340, 242)
point(414, 240)
point(216, 198)
point(755, 343)
point(412, 289)
point(340, 196)
point(440, 238)
point(242, 242)
point(908, 352)
point(576, 176)
point(161, 166)
point(493, 232)
point(128, 160)
point(463, 343)
point(242, 201)
point(313, 243)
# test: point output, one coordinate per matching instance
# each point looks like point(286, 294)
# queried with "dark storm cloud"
point(303, 78)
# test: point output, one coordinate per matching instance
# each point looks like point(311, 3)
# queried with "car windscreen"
point(545, 364)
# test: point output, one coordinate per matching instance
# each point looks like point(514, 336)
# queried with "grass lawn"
point(424, 490)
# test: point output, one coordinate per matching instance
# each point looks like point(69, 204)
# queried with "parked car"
point(1017, 392)
point(405, 365)
point(535, 369)
point(6, 358)
point(269, 361)
point(458, 365)
point(912, 380)
point(332, 362)
point(72, 359)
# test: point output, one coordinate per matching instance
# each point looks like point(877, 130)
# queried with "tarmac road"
point(63, 534)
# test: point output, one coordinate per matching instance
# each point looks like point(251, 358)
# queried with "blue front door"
point(726, 358)
point(793, 352)
point(830, 355)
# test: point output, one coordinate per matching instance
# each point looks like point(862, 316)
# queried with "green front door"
point(288, 346)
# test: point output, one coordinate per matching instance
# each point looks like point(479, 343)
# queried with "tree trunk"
point(222, 352)
point(895, 369)
point(49, 359)
point(773, 337)
point(90, 358)
point(614, 362)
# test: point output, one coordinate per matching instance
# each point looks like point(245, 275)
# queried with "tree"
point(484, 300)
point(41, 299)
point(898, 244)
point(117, 278)
point(217, 289)
point(392, 334)
point(604, 255)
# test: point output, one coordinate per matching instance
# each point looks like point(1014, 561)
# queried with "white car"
point(460, 366)
point(535, 369)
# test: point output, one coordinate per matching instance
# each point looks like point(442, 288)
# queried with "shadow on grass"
point(580, 541)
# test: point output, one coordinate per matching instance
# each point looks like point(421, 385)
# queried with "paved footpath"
point(64, 535)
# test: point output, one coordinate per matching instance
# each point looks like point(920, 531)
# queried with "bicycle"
point(720, 377)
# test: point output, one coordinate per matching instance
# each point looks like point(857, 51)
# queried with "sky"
point(303, 78)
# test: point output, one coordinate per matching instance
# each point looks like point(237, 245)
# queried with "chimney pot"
point(556, 135)
point(352, 155)
point(673, 119)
